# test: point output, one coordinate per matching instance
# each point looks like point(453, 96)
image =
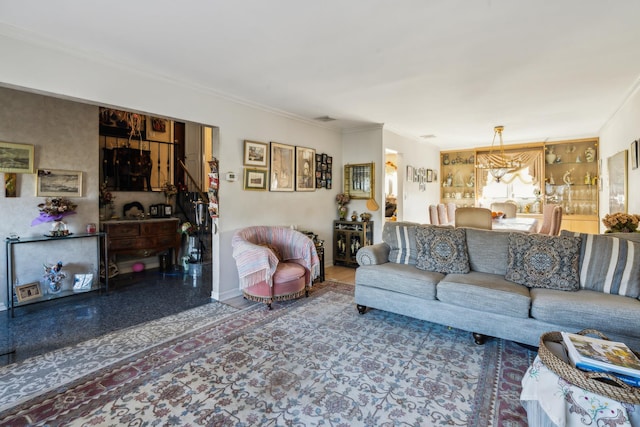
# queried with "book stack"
point(600, 355)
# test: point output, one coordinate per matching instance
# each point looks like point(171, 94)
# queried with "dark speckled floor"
point(133, 298)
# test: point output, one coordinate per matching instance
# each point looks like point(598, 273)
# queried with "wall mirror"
point(359, 180)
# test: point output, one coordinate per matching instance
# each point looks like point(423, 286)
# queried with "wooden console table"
point(143, 238)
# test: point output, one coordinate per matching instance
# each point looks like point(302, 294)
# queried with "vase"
point(59, 229)
point(54, 286)
point(342, 212)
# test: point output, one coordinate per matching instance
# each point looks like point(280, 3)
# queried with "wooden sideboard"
point(143, 238)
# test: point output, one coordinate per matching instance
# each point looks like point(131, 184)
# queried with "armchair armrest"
point(373, 254)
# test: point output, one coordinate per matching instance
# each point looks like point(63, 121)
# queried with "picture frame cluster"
point(283, 167)
point(422, 176)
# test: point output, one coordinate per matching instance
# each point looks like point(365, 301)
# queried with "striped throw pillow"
point(609, 264)
point(401, 238)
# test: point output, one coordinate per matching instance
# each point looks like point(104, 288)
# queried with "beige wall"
point(65, 136)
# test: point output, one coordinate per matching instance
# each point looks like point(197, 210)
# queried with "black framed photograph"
point(634, 154)
point(256, 154)
point(255, 179)
point(282, 159)
point(16, 158)
point(305, 169)
point(52, 183)
point(28, 292)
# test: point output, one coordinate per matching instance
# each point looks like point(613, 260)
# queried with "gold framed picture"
point(256, 154)
point(282, 167)
point(28, 292)
point(16, 158)
point(255, 179)
point(359, 180)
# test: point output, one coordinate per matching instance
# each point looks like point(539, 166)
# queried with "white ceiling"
point(546, 69)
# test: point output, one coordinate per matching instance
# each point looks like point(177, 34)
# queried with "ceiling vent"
point(324, 119)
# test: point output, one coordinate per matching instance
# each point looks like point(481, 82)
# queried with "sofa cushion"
point(586, 309)
point(401, 238)
point(442, 249)
point(485, 292)
point(609, 264)
point(404, 279)
point(487, 250)
point(541, 261)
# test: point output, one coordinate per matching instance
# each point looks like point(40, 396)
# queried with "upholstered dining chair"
point(433, 215)
point(510, 209)
point(551, 220)
point(451, 212)
point(474, 218)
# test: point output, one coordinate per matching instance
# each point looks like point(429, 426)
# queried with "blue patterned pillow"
point(442, 249)
point(609, 263)
point(401, 238)
point(541, 261)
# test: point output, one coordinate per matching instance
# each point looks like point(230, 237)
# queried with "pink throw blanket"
point(258, 263)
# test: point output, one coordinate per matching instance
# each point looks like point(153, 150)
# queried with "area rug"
point(313, 361)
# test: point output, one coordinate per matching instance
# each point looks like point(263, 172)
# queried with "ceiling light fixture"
point(498, 163)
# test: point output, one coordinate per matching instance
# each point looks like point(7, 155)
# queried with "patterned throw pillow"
point(609, 264)
point(401, 238)
point(541, 261)
point(442, 249)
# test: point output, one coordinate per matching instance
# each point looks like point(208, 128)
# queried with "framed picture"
point(409, 173)
point(359, 180)
point(617, 166)
point(28, 292)
point(429, 175)
point(16, 158)
point(255, 179)
point(305, 169)
point(634, 154)
point(256, 154)
point(158, 129)
point(282, 170)
point(51, 183)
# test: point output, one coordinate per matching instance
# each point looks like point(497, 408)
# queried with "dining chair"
point(451, 212)
point(442, 214)
point(551, 220)
point(433, 215)
point(510, 209)
point(474, 218)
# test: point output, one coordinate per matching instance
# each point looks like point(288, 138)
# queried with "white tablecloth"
point(551, 401)
point(528, 225)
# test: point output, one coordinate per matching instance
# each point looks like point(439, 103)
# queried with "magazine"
point(595, 354)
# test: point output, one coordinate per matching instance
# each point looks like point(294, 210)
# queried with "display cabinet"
point(348, 237)
point(571, 181)
point(32, 292)
point(458, 177)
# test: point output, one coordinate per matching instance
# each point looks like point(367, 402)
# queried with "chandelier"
point(498, 163)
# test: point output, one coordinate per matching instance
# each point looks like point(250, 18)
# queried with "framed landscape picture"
point(305, 169)
point(282, 167)
point(255, 179)
point(52, 183)
point(16, 158)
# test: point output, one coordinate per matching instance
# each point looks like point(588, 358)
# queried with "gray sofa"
point(518, 286)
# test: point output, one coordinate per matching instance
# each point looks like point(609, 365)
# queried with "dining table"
point(523, 224)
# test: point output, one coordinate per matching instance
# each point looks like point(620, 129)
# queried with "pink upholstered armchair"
point(274, 263)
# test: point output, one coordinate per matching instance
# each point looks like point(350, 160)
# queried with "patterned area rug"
point(314, 361)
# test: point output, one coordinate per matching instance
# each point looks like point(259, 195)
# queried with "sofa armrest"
point(373, 254)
